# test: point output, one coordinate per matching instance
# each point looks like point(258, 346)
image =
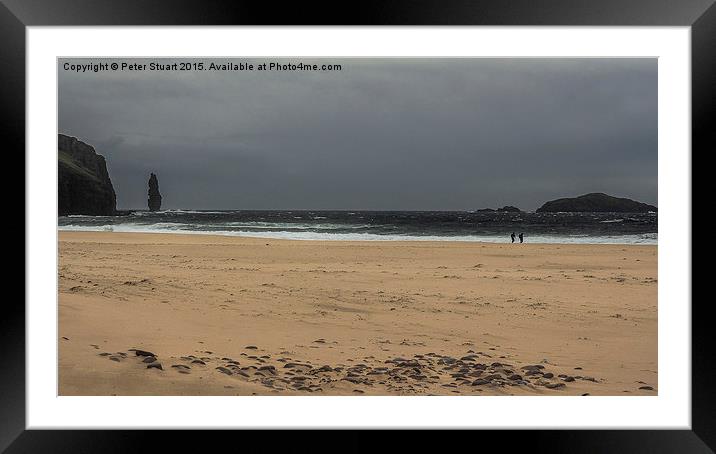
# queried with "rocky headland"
point(83, 183)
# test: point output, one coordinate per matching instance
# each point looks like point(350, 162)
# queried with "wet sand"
point(168, 314)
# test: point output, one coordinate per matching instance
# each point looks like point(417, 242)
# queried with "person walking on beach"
point(522, 237)
point(513, 237)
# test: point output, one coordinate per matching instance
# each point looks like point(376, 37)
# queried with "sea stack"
point(155, 198)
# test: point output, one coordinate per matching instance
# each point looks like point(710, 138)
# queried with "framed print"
point(241, 217)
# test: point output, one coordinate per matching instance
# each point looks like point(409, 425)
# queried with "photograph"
point(437, 216)
point(357, 226)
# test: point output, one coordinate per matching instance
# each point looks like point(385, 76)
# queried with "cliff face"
point(595, 203)
point(83, 183)
point(155, 197)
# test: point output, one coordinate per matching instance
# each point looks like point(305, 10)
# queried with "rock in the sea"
point(83, 183)
point(506, 208)
point(155, 198)
point(595, 203)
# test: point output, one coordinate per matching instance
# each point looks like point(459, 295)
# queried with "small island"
point(595, 203)
point(504, 209)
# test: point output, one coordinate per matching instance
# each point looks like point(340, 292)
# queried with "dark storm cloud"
point(431, 134)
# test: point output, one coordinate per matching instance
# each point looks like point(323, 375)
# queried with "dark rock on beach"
point(83, 183)
point(418, 375)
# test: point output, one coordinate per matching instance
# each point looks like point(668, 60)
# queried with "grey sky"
point(403, 134)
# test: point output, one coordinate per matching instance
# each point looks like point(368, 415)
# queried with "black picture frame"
point(16, 15)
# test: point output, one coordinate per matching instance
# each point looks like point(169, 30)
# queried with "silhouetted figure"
point(513, 237)
point(522, 237)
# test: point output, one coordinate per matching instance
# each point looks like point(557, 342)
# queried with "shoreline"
point(358, 317)
point(412, 239)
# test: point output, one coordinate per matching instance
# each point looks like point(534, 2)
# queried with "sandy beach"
point(170, 314)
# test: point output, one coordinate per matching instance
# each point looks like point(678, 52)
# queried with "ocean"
point(493, 227)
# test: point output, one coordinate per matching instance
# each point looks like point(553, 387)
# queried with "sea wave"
point(290, 226)
point(170, 227)
point(155, 213)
